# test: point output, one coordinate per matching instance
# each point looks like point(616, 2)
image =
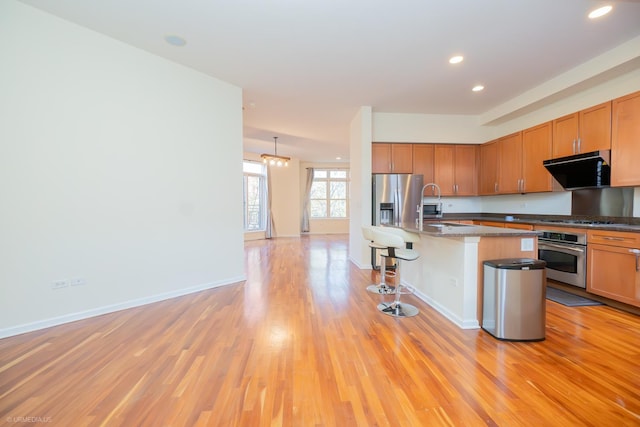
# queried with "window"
point(329, 191)
point(255, 196)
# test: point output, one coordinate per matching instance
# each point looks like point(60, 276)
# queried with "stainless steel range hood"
point(587, 170)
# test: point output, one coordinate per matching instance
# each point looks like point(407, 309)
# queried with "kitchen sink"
point(444, 224)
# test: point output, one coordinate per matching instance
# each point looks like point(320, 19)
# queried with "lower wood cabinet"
point(518, 226)
point(506, 224)
point(613, 265)
point(489, 223)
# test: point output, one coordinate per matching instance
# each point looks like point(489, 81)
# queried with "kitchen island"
point(449, 273)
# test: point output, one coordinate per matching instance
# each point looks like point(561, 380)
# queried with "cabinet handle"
point(579, 145)
point(617, 239)
point(636, 252)
point(574, 146)
point(495, 187)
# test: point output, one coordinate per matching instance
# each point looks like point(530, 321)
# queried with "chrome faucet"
point(420, 209)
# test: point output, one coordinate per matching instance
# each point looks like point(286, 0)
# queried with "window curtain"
point(306, 207)
point(269, 226)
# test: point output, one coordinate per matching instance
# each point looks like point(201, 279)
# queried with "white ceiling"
point(306, 66)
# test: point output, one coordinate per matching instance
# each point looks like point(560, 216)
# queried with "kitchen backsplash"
point(556, 203)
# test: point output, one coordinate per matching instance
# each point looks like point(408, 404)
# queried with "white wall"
point(360, 195)
point(428, 128)
point(117, 167)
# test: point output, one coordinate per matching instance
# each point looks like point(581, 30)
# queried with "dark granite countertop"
point(631, 224)
point(444, 229)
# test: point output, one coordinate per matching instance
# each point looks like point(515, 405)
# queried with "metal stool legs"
point(382, 288)
point(397, 308)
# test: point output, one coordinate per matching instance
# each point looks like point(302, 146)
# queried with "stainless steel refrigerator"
point(396, 198)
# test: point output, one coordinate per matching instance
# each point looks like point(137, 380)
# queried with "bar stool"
point(396, 240)
point(381, 288)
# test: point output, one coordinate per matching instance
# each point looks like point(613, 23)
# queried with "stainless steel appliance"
point(587, 170)
point(394, 201)
point(565, 253)
point(395, 197)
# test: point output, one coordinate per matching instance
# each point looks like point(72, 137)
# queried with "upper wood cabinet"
point(510, 164)
point(513, 164)
point(488, 168)
point(582, 132)
point(423, 161)
point(466, 170)
point(391, 158)
point(536, 147)
point(455, 169)
point(625, 141)
point(565, 135)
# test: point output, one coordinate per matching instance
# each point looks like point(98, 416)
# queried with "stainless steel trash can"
point(514, 299)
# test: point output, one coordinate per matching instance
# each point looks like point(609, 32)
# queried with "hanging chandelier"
point(274, 159)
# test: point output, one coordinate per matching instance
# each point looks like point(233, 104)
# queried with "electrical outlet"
point(526, 244)
point(78, 282)
point(58, 284)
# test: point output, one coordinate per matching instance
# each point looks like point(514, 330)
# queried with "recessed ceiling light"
point(456, 59)
point(174, 40)
point(601, 11)
point(477, 88)
point(338, 158)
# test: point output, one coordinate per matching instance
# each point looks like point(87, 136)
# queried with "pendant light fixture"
point(274, 159)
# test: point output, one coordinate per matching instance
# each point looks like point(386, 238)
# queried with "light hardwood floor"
point(302, 344)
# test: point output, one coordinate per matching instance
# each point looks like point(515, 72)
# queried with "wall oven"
point(565, 253)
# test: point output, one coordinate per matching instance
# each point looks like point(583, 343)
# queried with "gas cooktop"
point(580, 221)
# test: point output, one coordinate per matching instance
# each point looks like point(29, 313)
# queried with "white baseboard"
point(461, 323)
point(72, 317)
point(320, 233)
point(366, 266)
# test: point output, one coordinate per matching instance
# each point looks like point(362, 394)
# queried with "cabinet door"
point(565, 135)
point(489, 168)
point(402, 158)
point(536, 147)
point(443, 171)
point(595, 128)
point(380, 158)
point(625, 141)
point(490, 223)
point(465, 170)
point(423, 161)
point(518, 226)
point(613, 273)
point(510, 164)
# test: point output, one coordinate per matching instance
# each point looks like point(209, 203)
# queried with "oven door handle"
point(569, 248)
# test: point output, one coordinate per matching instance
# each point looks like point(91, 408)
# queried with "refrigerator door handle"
point(396, 208)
